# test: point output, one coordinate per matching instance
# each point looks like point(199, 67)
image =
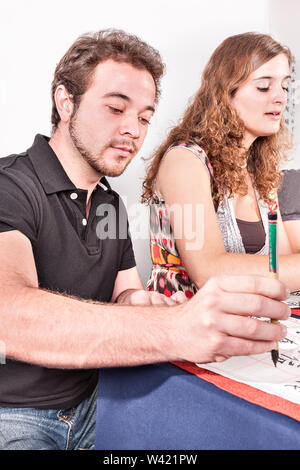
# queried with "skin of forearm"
point(121, 297)
point(58, 331)
point(288, 268)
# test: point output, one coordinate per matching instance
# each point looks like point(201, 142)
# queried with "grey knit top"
point(232, 238)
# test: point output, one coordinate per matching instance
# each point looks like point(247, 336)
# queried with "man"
point(61, 283)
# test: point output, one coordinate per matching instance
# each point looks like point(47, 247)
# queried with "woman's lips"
point(275, 115)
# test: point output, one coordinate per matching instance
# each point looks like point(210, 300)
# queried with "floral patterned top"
point(168, 273)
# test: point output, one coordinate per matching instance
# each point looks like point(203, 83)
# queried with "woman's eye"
point(263, 89)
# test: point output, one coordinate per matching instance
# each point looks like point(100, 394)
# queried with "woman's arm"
point(284, 243)
point(184, 182)
point(292, 228)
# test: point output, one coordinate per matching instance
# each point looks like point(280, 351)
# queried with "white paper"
point(260, 372)
point(294, 300)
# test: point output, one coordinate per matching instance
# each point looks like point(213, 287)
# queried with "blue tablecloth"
point(162, 407)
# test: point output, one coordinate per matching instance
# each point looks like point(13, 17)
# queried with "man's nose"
point(130, 126)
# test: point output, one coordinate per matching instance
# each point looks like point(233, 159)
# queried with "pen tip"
point(275, 355)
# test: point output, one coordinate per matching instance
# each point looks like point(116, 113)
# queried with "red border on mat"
point(248, 393)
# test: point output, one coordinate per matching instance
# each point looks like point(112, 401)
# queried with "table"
point(162, 407)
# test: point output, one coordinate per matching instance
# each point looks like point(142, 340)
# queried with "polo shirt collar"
point(49, 169)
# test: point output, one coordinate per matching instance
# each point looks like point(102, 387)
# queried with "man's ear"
point(64, 103)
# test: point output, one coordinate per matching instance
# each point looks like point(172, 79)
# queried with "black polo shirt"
point(73, 255)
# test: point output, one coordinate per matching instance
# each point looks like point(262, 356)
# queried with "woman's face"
point(261, 99)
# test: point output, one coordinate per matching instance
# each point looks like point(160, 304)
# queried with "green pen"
point(272, 218)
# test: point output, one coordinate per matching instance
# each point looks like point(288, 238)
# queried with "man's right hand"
point(216, 323)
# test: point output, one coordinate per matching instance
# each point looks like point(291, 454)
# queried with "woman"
point(221, 164)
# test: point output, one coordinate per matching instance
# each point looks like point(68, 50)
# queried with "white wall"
point(34, 34)
point(284, 21)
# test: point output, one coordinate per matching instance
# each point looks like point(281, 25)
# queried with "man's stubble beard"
point(97, 162)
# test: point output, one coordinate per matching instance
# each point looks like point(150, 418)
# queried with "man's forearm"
point(43, 328)
point(58, 331)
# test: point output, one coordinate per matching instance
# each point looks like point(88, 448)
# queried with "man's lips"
point(123, 151)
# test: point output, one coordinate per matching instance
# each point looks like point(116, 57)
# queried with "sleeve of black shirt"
point(128, 258)
point(18, 204)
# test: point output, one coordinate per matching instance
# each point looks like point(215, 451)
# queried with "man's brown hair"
point(76, 68)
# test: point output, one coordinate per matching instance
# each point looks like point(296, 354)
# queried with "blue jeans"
point(36, 429)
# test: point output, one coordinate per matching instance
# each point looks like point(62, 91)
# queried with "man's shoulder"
point(17, 170)
point(11, 161)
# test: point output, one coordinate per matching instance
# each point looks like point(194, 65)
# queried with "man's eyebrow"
point(125, 98)
point(116, 95)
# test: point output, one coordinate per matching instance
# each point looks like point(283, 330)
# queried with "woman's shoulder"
point(197, 150)
point(189, 145)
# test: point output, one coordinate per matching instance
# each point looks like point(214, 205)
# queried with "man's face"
point(111, 123)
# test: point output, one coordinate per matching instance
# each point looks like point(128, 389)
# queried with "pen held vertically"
point(273, 269)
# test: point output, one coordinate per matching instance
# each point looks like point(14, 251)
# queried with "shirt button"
point(73, 195)
point(84, 221)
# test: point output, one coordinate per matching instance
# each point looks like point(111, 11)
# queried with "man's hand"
point(216, 323)
point(143, 297)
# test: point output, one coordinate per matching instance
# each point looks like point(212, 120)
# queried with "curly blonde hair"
point(212, 123)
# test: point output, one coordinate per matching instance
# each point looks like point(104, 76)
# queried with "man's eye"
point(145, 121)
point(116, 110)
